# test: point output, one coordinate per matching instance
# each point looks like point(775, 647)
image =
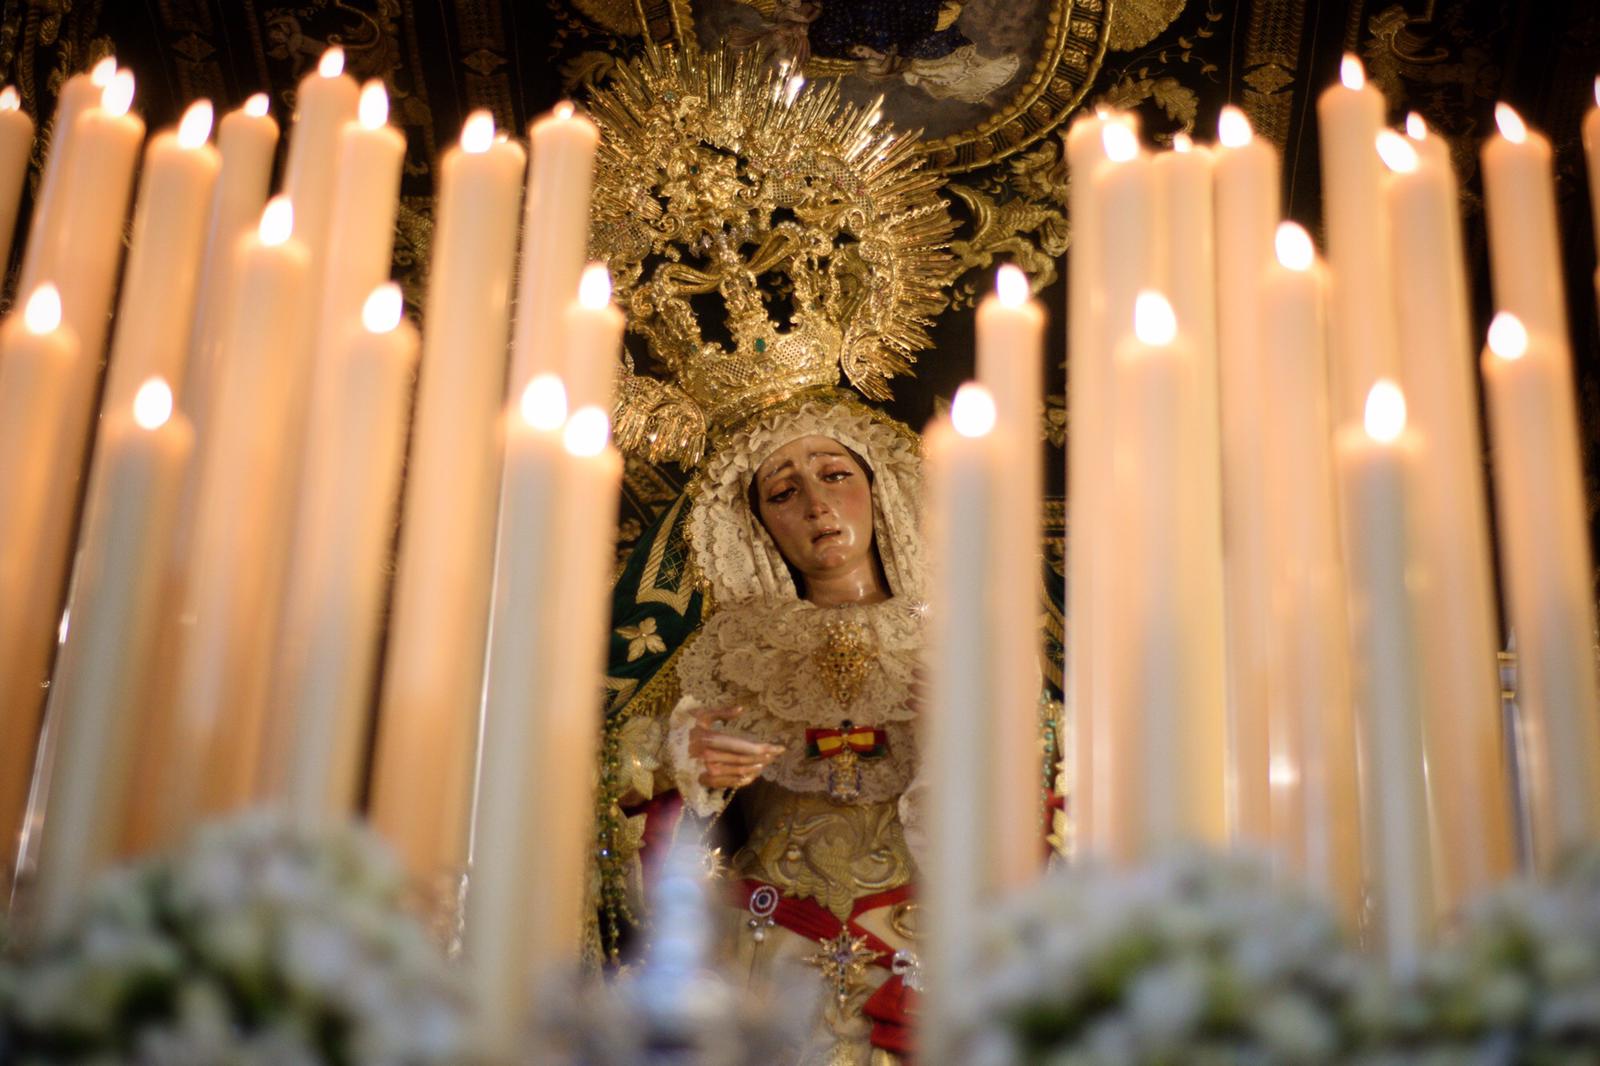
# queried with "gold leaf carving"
point(1135, 23)
point(618, 16)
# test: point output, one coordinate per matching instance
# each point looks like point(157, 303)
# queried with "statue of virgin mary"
point(781, 254)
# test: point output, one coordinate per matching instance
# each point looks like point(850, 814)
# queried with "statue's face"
point(816, 501)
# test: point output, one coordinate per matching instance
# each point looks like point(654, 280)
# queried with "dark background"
point(442, 58)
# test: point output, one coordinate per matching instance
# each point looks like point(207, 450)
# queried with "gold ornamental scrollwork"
point(1028, 94)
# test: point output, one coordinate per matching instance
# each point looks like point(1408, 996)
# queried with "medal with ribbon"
point(844, 748)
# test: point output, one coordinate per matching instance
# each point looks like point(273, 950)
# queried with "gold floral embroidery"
point(642, 639)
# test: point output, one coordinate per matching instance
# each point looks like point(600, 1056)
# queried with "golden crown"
point(764, 236)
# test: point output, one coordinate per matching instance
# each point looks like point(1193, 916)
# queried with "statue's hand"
point(730, 762)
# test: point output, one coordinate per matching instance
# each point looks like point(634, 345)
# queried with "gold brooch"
point(844, 658)
point(843, 961)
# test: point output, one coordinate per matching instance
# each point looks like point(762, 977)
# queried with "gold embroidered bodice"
point(811, 847)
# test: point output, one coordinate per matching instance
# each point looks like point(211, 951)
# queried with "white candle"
point(961, 466)
point(80, 254)
point(1128, 263)
point(1170, 754)
point(1524, 246)
point(591, 329)
point(1316, 820)
point(84, 249)
point(500, 924)
point(1088, 370)
point(106, 658)
point(434, 668)
point(361, 223)
point(1186, 186)
point(331, 649)
point(16, 147)
point(78, 93)
point(555, 235)
point(156, 308)
point(1247, 196)
point(568, 744)
point(1451, 572)
point(247, 137)
point(1362, 327)
point(1375, 461)
point(1545, 560)
point(324, 101)
point(358, 255)
point(1010, 364)
point(233, 579)
point(36, 356)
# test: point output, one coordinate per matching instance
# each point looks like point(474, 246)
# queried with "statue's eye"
point(779, 497)
point(837, 475)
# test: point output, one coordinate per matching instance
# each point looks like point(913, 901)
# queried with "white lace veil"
point(738, 559)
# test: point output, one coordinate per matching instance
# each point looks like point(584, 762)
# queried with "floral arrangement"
point(1521, 982)
point(254, 944)
point(1191, 959)
point(1201, 958)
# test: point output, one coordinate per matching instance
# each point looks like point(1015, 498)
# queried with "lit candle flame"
point(1597, 90)
point(1294, 248)
point(1182, 142)
point(1233, 128)
point(257, 105)
point(1396, 152)
point(10, 99)
point(373, 111)
point(331, 65)
point(195, 127)
point(1119, 141)
point(43, 311)
point(1416, 127)
point(564, 110)
point(1154, 321)
point(152, 404)
point(972, 412)
point(1512, 128)
point(544, 402)
point(1508, 337)
point(587, 433)
point(1282, 773)
point(102, 72)
point(117, 96)
point(384, 308)
point(1011, 286)
point(1352, 73)
point(277, 221)
point(1386, 412)
point(594, 286)
point(477, 133)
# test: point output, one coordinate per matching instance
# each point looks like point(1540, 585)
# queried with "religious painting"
point(980, 78)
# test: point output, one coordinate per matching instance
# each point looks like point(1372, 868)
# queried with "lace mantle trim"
point(781, 663)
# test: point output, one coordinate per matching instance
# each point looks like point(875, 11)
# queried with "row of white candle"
point(1292, 456)
point(238, 569)
point(1357, 548)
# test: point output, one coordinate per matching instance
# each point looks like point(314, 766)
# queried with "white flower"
point(1165, 1002)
